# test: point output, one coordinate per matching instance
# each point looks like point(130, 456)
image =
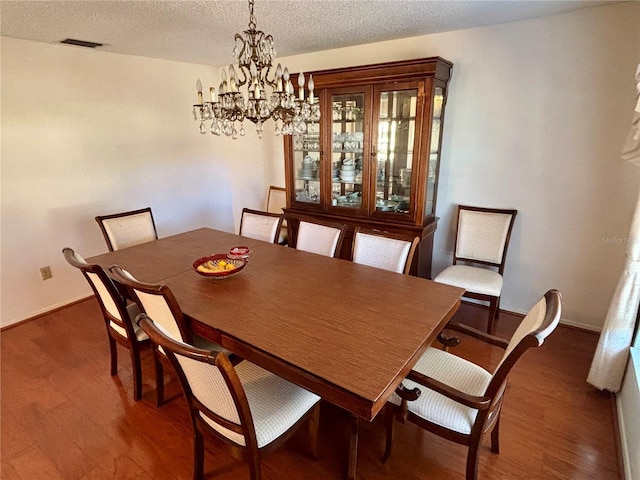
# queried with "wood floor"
point(64, 417)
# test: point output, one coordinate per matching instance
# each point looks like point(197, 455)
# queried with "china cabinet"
point(373, 158)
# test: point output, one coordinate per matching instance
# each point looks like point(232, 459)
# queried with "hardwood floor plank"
point(61, 449)
point(64, 417)
point(32, 463)
point(121, 467)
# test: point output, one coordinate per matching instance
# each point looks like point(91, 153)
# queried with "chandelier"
point(254, 53)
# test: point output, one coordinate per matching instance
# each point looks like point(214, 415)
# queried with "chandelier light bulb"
point(199, 89)
point(311, 86)
point(301, 86)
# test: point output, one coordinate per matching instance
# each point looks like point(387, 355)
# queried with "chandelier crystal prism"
point(228, 108)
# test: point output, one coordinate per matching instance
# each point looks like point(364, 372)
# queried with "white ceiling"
point(199, 31)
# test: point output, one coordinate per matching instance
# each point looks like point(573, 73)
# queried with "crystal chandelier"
point(254, 53)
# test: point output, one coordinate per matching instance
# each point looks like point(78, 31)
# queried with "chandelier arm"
point(271, 82)
point(242, 71)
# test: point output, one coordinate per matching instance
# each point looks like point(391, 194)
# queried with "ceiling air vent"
point(80, 43)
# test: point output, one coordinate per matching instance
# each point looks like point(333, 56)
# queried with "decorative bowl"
point(216, 266)
point(239, 253)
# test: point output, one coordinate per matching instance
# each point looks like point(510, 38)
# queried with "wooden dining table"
point(347, 332)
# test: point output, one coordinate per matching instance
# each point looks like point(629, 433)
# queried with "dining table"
point(348, 332)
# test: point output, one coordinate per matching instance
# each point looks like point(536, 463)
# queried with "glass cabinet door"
point(306, 165)
point(434, 150)
point(348, 173)
point(398, 118)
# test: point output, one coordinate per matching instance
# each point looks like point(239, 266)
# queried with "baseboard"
point(580, 326)
point(46, 311)
point(521, 313)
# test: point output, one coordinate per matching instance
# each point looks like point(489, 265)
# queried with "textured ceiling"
point(202, 31)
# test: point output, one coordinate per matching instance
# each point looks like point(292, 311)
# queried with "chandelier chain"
point(252, 18)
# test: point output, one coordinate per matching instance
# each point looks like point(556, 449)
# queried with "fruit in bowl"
point(218, 266)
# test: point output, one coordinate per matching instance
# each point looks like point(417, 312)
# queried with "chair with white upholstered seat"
point(245, 406)
point(482, 239)
point(384, 250)
point(260, 225)
point(323, 238)
point(461, 401)
point(118, 317)
point(127, 229)
point(160, 304)
point(276, 202)
point(276, 199)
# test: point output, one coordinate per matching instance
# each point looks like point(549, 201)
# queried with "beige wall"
point(87, 133)
point(537, 114)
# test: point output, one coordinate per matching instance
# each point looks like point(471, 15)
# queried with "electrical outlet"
point(45, 273)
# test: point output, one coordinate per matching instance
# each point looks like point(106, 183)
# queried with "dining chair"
point(118, 317)
point(261, 225)
point(245, 406)
point(127, 229)
point(317, 236)
point(159, 303)
point(459, 400)
point(482, 240)
point(276, 202)
point(384, 250)
point(276, 199)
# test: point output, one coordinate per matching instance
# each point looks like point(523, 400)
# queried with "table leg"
point(353, 448)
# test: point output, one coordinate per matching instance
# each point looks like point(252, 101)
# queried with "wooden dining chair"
point(276, 199)
point(245, 406)
point(118, 317)
point(384, 250)
point(159, 303)
point(261, 225)
point(482, 240)
point(317, 236)
point(461, 401)
point(127, 229)
point(276, 202)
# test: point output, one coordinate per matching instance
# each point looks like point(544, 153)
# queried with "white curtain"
point(612, 353)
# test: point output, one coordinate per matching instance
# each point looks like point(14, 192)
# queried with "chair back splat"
point(127, 229)
point(260, 225)
point(276, 200)
point(384, 250)
point(323, 238)
point(276, 203)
